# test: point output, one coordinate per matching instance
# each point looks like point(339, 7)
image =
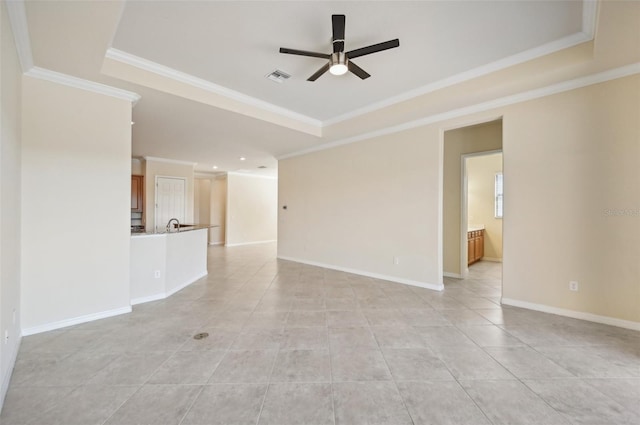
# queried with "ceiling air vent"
point(278, 76)
point(262, 166)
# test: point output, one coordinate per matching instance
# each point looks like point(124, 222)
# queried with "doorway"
point(458, 145)
point(482, 200)
point(170, 200)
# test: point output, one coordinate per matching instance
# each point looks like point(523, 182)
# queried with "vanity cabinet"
point(137, 193)
point(475, 246)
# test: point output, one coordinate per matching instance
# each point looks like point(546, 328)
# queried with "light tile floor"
point(295, 344)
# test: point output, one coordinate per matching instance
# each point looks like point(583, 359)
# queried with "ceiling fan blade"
point(337, 22)
point(304, 53)
point(319, 73)
point(373, 48)
point(358, 71)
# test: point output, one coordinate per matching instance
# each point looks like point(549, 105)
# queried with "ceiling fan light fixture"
point(338, 64)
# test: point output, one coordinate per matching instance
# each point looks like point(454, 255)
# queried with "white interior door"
point(170, 200)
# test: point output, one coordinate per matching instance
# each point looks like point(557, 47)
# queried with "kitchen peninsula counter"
point(162, 263)
point(182, 229)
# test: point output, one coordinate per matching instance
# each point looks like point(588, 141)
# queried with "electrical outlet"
point(157, 274)
point(396, 260)
point(573, 286)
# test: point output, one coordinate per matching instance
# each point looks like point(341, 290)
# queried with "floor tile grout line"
point(122, 404)
point(392, 379)
point(264, 398)
point(259, 289)
point(517, 378)
point(193, 402)
point(331, 381)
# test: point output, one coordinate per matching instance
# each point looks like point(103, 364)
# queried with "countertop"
point(182, 229)
point(474, 227)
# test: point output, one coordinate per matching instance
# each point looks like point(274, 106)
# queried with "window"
point(498, 200)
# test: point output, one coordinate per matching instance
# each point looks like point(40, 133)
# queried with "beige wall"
point(568, 159)
point(202, 201)
point(76, 166)
point(10, 211)
point(458, 142)
point(481, 175)
point(252, 204)
point(360, 206)
point(161, 168)
point(137, 166)
point(218, 209)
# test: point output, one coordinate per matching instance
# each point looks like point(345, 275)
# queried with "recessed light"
point(133, 122)
point(242, 158)
point(215, 167)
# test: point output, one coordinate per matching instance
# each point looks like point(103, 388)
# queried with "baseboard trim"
point(453, 275)
point(75, 321)
point(163, 295)
point(7, 378)
point(216, 243)
point(148, 299)
point(425, 285)
point(606, 320)
point(492, 259)
point(187, 283)
point(249, 243)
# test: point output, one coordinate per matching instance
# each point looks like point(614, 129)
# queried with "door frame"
point(464, 207)
point(155, 199)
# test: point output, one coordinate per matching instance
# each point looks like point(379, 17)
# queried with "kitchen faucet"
point(169, 224)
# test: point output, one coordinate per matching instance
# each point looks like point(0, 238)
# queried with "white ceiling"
point(233, 44)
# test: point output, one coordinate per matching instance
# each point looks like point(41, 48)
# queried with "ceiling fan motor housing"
point(338, 63)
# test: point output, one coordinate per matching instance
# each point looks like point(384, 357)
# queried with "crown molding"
point(589, 15)
point(587, 33)
point(462, 77)
point(206, 175)
point(182, 77)
point(257, 176)
point(20, 28)
point(564, 86)
point(170, 161)
point(18, 19)
point(79, 83)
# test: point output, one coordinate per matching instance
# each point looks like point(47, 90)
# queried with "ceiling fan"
point(340, 61)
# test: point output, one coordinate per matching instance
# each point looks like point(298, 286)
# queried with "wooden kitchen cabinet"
point(475, 246)
point(137, 193)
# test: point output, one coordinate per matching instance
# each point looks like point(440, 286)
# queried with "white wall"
point(10, 211)
point(252, 204)
point(76, 175)
point(180, 258)
point(570, 159)
point(148, 256)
